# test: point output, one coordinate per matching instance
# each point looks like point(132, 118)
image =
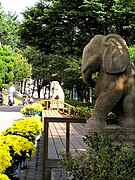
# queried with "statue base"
point(116, 133)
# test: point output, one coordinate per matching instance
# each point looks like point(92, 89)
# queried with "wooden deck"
point(57, 139)
point(60, 128)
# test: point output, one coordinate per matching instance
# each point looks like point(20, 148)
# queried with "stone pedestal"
point(117, 133)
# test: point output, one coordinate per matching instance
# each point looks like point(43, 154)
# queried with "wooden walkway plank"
point(63, 135)
point(75, 137)
point(52, 151)
point(52, 113)
point(58, 143)
point(57, 135)
point(79, 128)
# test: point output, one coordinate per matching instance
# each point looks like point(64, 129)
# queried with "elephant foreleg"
point(104, 104)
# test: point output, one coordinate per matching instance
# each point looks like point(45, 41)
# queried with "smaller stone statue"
point(57, 93)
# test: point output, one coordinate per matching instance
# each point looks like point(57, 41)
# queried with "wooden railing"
point(63, 107)
point(50, 162)
point(75, 117)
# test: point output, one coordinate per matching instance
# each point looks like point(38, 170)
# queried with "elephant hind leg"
point(128, 119)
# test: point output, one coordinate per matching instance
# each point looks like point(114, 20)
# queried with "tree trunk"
point(38, 88)
point(21, 90)
point(33, 89)
point(25, 81)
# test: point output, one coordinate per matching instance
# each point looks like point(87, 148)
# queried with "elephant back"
point(115, 56)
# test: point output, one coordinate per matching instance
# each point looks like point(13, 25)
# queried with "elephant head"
point(109, 53)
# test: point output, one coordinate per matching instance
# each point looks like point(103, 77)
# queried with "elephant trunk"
point(91, 59)
point(90, 66)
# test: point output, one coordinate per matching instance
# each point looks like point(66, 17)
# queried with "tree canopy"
point(68, 25)
point(6, 66)
point(53, 34)
point(59, 30)
point(21, 67)
point(8, 29)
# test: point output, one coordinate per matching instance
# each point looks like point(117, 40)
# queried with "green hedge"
point(103, 160)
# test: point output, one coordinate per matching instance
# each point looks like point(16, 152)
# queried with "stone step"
point(59, 174)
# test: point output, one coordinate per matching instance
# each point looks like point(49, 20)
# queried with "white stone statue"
point(56, 92)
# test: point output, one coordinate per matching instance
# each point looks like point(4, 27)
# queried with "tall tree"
point(7, 64)
point(124, 20)
point(8, 29)
point(21, 68)
point(62, 28)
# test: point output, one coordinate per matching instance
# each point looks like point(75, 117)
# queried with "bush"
point(102, 160)
point(41, 102)
point(77, 103)
point(32, 109)
point(27, 128)
point(131, 50)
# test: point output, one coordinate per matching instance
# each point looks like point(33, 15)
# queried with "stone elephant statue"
point(115, 87)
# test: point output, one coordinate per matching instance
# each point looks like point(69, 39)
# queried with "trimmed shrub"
point(102, 160)
point(32, 109)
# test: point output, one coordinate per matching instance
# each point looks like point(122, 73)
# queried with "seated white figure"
point(56, 92)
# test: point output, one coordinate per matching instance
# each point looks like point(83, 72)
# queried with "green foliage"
point(86, 108)
point(21, 67)
point(132, 53)
point(87, 111)
point(78, 103)
point(102, 160)
point(7, 63)
point(8, 29)
point(32, 109)
point(4, 177)
point(20, 147)
point(67, 25)
point(123, 18)
point(27, 128)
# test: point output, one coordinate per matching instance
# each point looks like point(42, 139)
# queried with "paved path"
point(8, 115)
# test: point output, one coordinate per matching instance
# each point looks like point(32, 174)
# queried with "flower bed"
point(32, 109)
point(3, 177)
point(5, 158)
point(17, 145)
point(28, 128)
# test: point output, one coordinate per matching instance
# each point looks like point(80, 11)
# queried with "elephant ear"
point(115, 57)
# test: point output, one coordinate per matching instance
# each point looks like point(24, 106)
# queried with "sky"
point(17, 6)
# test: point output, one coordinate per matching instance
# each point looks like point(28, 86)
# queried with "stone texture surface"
point(117, 133)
